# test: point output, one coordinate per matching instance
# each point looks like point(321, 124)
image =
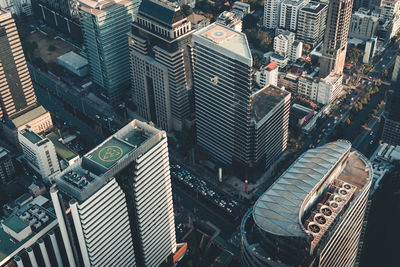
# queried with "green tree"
point(187, 10)
point(249, 22)
point(353, 54)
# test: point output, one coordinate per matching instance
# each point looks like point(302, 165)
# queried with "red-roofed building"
point(267, 75)
point(271, 66)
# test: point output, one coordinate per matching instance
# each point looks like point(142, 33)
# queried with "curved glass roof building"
point(313, 214)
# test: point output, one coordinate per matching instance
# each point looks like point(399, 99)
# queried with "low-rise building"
point(74, 63)
point(39, 153)
point(286, 48)
point(267, 75)
point(329, 88)
point(230, 20)
point(289, 81)
point(198, 21)
point(241, 9)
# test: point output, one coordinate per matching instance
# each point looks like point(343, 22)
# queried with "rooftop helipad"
point(110, 152)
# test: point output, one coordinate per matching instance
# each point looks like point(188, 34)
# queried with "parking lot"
point(207, 192)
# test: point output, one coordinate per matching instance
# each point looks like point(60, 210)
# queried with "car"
point(371, 142)
point(371, 133)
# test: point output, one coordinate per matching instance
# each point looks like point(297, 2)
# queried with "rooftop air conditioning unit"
point(326, 210)
point(320, 219)
point(346, 186)
point(334, 205)
point(45, 219)
point(338, 199)
point(314, 227)
point(24, 216)
point(343, 192)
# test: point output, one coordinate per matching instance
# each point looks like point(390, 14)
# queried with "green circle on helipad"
point(110, 153)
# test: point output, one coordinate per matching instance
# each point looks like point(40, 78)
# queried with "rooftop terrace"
point(31, 136)
point(62, 150)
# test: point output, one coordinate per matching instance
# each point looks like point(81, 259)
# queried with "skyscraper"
point(161, 63)
point(105, 25)
point(120, 199)
point(18, 106)
point(16, 89)
point(335, 40)
point(313, 215)
point(230, 113)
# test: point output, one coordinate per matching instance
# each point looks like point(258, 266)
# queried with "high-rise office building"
point(7, 170)
point(271, 13)
point(105, 25)
point(391, 128)
point(228, 110)
point(335, 40)
point(18, 106)
point(161, 63)
point(125, 181)
point(16, 90)
point(311, 23)
point(269, 124)
point(40, 153)
point(289, 13)
point(222, 77)
point(313, 215)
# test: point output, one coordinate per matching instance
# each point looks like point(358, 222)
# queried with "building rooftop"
point(264, 100)
point(162, 11)
point(3, 152)
point(31, 136)
point(40, 217)
point(108, 153)
point(16, 224)
point(279, 210)
point(314, 7)
point(73, 59)
point(196, 18)
point(62, 151)
point(271, 66)
point(226, 38)
point(94, 169)
point(29, 116)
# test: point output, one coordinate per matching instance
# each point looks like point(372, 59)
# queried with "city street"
point(386, 61)
point(77, 100)
point(56, 108)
